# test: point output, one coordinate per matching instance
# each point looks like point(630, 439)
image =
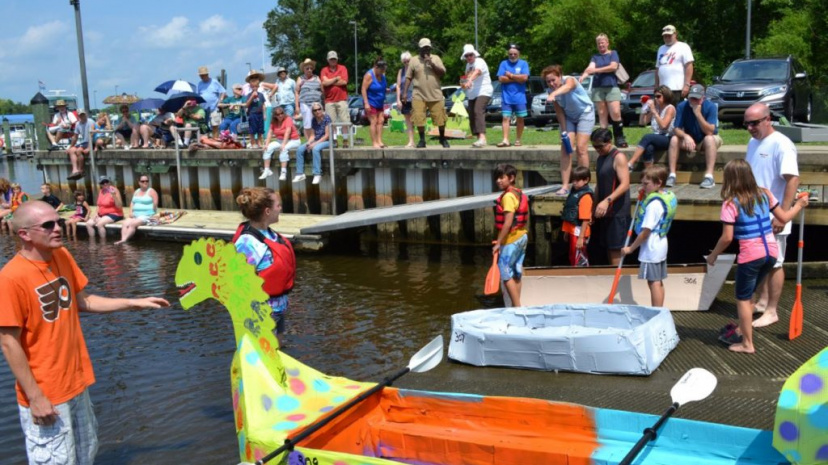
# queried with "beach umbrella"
point(800, 429)
point(147, 104)
point(122, 99)
point(175, 86)
point(175, 102)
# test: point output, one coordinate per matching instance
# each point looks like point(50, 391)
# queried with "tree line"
point(548, 31)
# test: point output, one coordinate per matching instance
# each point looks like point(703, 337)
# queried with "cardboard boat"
point(586, 338)
point(691, 286)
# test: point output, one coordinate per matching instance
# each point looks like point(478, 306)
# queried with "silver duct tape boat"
point(687, 287)
point(586, 338)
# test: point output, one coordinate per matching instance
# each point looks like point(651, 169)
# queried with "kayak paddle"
point(626, 243)
point(795, 328)
point(427, 358)
point(492, 284)
point(696, 384)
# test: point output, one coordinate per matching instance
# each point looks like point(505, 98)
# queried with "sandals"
point(517, 143)
point(478, 145)
point(503, 144)
point(75, 176)
point(409, 146)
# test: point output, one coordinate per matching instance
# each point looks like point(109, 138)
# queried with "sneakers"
point(730, 337)
point(621, 142)
point(317, 179)
point(299, 178)
point(283, 175)
point(671, 180)
point(444, 142)
point(265, 173)
point(707, 183)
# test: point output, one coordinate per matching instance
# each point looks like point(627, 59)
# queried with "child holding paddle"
point(577, 215)
point(652, 222)
point(511, 219)
point(745, 216)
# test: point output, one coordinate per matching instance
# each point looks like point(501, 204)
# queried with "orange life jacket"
point(521, 214)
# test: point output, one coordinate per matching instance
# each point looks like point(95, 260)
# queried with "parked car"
point(543, 112)
point(780, 82)
point(356, 108)
point(534, 86)
point(644, 84)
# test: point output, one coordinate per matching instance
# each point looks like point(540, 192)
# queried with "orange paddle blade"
point(796, 315)
point(492, 285)
point(614, 285)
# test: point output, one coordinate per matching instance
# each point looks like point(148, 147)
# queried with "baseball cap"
point(281, 69)
point(513, 46)
point(332, 55)
point(696, 91)
point(103, 179)
point(424, 42)
point(81, 111)
point(668, 29)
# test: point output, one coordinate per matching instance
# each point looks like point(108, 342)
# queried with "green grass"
point(535, 136)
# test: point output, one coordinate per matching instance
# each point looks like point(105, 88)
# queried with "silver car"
point(543, 112)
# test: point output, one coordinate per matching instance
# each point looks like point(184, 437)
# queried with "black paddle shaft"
point(290, 443)
point(649, 435)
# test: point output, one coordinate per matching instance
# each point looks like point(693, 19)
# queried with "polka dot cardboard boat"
point(276, 397)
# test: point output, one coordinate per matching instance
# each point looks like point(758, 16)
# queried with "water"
point(162, 394)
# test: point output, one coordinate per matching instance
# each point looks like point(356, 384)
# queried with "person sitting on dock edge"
point(79, 147)
point(511, 220)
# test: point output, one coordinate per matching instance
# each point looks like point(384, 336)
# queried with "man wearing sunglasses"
point(696, 130)
point(773, 160)
point(41, 338)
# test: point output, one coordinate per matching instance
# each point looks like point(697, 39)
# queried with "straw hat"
point(202, 70)
point(307, 62)
point(60, 103)
point(254, 74)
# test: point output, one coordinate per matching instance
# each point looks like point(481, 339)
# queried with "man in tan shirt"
point(424, 73)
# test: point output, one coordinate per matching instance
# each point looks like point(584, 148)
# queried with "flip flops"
point(503, 144)
point(517, 143)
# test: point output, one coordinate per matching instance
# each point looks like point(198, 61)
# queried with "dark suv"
point(641, 86)
point(534, 86)
point(781, 83)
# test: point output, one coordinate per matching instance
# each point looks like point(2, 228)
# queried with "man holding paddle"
point(773, 160)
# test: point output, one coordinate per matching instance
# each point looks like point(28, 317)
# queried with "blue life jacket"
point(668, 201)
point(756, 225)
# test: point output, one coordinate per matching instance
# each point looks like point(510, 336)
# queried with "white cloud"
point(216, 24)
point(35, 39)
point(173, 34)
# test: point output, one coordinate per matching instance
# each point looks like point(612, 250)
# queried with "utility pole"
point(81, 56)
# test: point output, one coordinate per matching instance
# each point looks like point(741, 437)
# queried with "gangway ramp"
point(358, 218)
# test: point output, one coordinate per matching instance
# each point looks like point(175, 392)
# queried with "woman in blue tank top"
point(374, 85)
point(144, 206)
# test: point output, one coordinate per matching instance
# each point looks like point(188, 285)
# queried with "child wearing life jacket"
point(577, 215)
point(17, 199)
point(511, 220)
point(746, 213)
point(652, 222)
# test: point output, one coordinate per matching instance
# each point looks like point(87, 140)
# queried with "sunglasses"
point(754, 122)
point(317, 109)
point(600, 146)
point(279, 114)
point(143, 180)
point(48, 225)
point(658, 96)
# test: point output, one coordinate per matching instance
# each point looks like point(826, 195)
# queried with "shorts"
point(436, 109)
point(519, 109)
point(215, 118)
point(782, 244)
point(126, 133)
point(306, 109)
point(510, 261)
point(338, 111)
point(750, 274)
point(584, 123)
point(73, 438)
point(83, 145)
point(606, 94)
point(406, 108)
point(256, 123)
point(115, 218)
point(653, 271)
point(700, 146)
point(610, 233)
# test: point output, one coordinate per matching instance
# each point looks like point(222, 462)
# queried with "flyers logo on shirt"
point(54, 296)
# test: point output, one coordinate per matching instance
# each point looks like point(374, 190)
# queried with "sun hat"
point(60, 103)
point(424, 42)
point(203, 70)
point(469, 48)
point(254, 74)
point(104, 178)
point(307, 62)
point(332, 55)
point(696, 91)
point(668, 30)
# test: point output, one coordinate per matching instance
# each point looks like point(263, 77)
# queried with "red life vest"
point(278, 277)
point(521, 215)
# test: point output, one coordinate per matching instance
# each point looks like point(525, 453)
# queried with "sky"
point(129, 46)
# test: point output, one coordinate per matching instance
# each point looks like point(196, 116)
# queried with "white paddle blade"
point(696, 384)
point(428, 357)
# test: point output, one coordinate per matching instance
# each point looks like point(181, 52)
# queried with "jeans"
point(230, 123)
point(283, 155)
point(317, 157)
point(652, 142)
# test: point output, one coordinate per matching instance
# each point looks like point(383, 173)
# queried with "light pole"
point(476, 46)
point(81, 56)
point(95, 93)
point(116, 89)
point(356, 57)
point(747, 33)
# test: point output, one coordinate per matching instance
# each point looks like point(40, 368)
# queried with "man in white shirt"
point(772, 157)
point(62, 125)
point(674, 64)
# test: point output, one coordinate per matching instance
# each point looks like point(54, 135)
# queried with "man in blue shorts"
point(513, 74)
